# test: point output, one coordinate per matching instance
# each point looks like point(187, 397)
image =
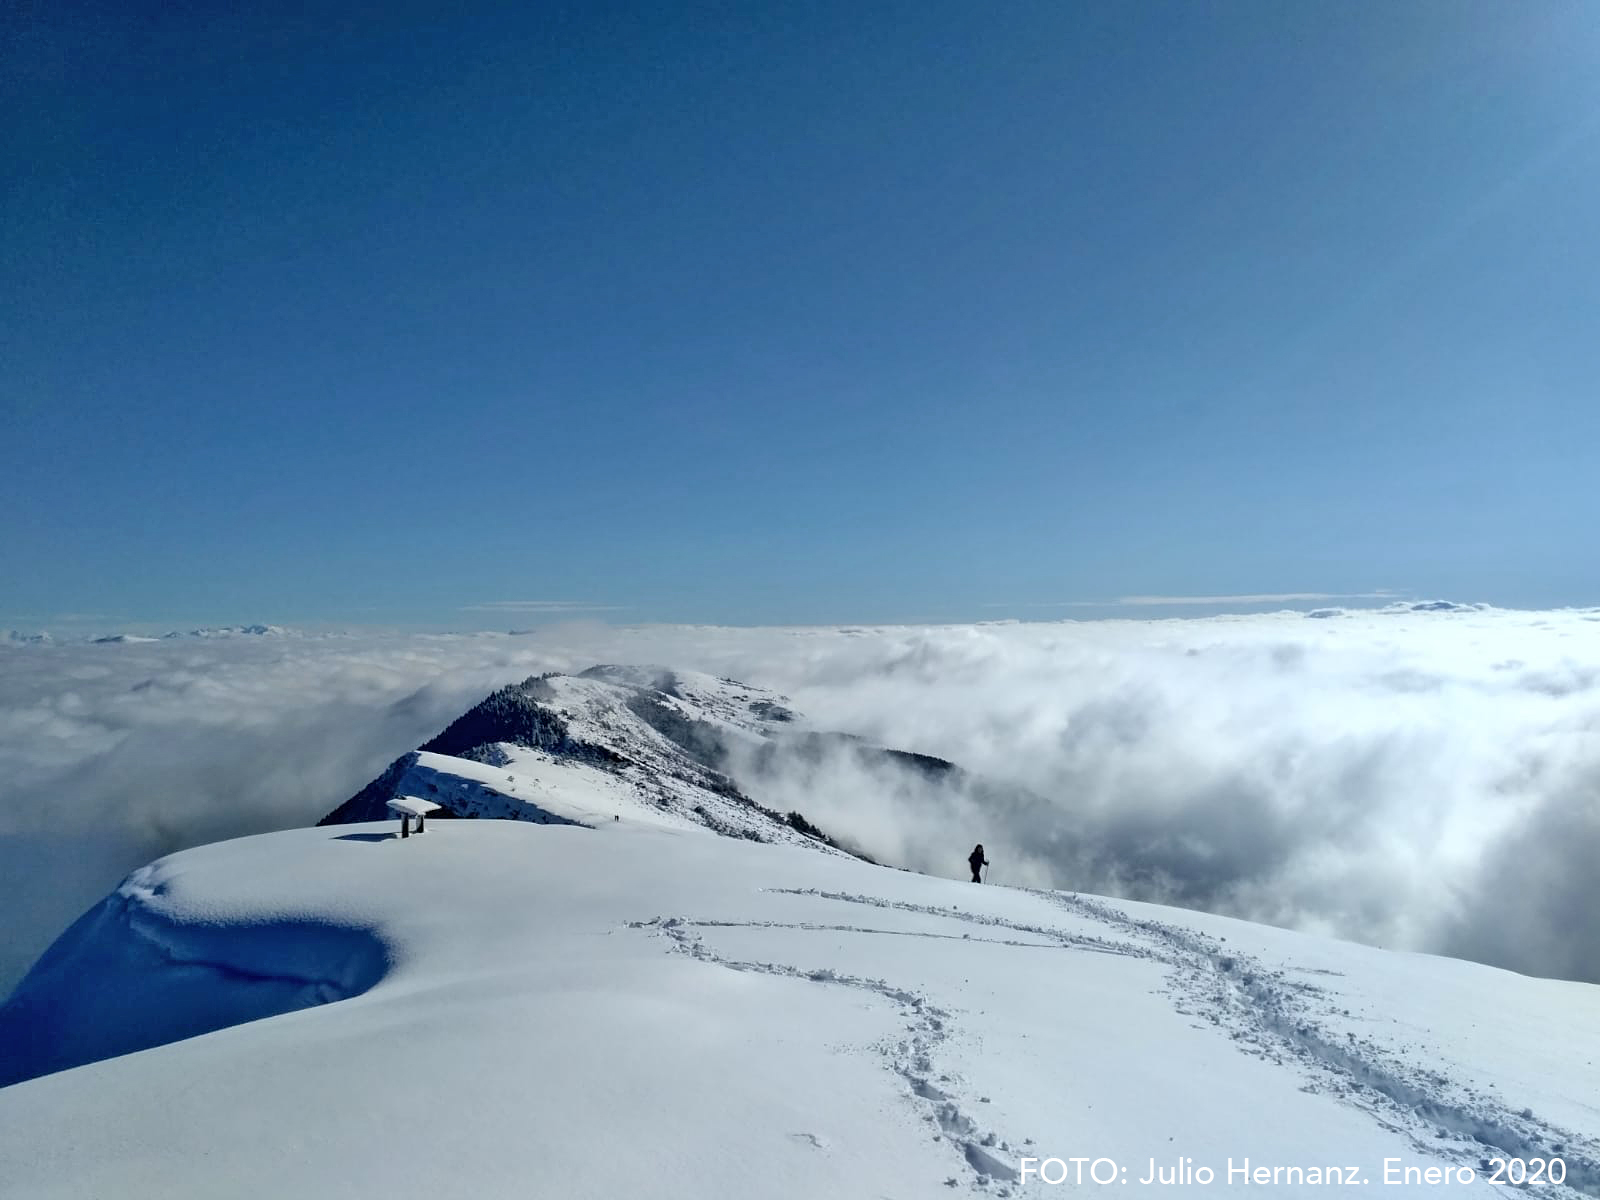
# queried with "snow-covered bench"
point(406, 807)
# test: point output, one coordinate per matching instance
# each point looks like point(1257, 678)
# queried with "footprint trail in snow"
point(1264, 1011)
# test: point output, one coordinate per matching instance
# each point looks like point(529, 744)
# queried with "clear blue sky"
point(817, 312)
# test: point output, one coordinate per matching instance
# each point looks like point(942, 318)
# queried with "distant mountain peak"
point(613, 742)
point(221, 631)
point(15, 637)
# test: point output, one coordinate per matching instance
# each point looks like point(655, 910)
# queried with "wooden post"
point(405, 825)
point(420, 819)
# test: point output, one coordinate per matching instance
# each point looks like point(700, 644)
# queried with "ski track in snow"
point(1260, 1009)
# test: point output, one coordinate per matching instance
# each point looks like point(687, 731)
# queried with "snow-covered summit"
point(502, 1009)
point(613, 741)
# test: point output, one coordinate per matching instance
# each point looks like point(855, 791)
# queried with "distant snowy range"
point(692, 916)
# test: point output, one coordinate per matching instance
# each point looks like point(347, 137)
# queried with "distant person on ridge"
point(977, 862)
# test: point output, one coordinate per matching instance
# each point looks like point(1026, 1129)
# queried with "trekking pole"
point(986, 872)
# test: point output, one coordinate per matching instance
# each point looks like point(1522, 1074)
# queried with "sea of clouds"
point(1418, 780)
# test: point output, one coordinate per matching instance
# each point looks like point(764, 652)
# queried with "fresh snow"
point(638, 1008)
point(412, 806)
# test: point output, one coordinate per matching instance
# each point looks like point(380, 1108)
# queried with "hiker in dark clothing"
point(977, 862)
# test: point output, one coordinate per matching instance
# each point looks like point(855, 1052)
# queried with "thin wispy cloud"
point(1250, 598)
point(1246, 598)
point(541, 606)
point(66, 618)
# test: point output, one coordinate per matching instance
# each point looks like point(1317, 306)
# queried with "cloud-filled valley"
point(1424, 780)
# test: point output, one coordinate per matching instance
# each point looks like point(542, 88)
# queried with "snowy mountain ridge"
point(639, 743)
point(597, 996)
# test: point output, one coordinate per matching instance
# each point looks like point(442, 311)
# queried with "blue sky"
point(811, 313)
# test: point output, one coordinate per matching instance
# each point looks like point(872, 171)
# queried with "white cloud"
point(1425, 780)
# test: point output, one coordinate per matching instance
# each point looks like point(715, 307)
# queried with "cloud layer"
point(1423, 780)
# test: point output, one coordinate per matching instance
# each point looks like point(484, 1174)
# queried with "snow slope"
point(637, 1009)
